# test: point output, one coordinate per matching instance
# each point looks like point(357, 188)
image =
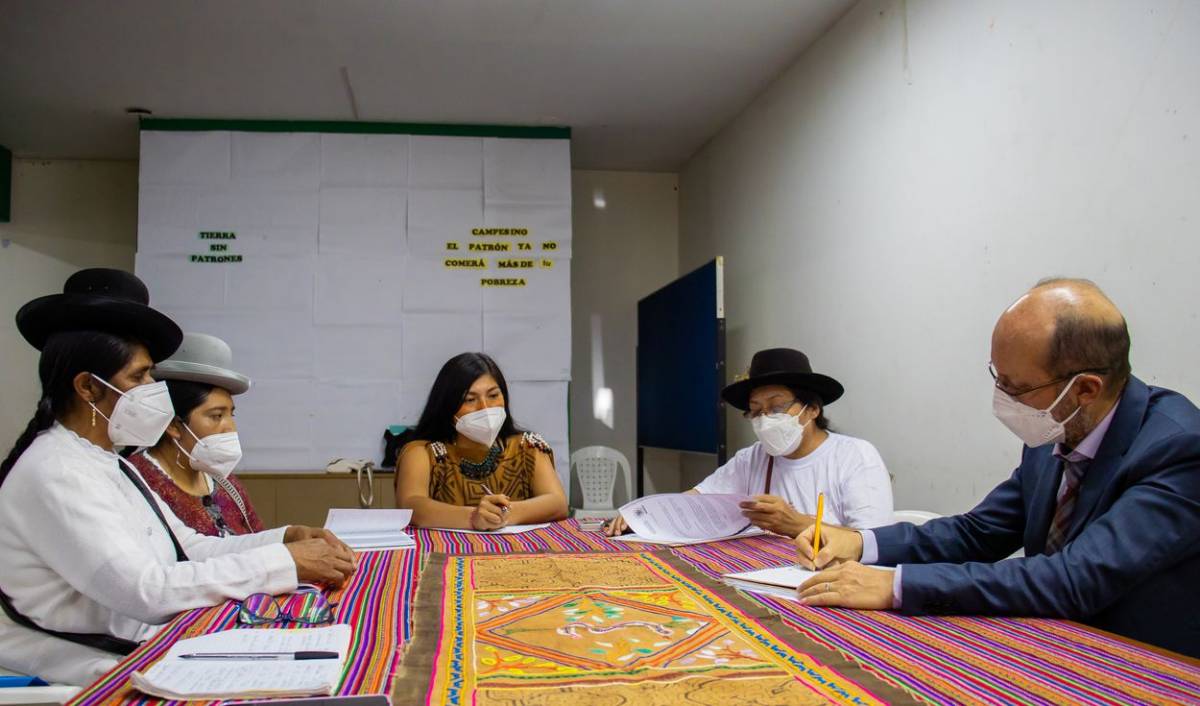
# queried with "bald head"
point(1065, 326)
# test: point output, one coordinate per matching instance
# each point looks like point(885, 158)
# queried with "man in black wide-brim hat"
point(797, 458)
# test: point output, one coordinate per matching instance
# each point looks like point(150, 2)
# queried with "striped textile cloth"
point(562, 536)
point(939, 660)
point(963, 660)
point(376, 603)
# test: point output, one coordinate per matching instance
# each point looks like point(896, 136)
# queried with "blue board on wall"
point(681, 365)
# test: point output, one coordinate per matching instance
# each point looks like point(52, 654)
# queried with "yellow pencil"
point(817, 529)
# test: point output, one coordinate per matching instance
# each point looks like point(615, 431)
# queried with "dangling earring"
point(177, 458)
point(93, 414)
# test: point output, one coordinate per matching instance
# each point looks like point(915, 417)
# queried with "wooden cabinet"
point(305, 498)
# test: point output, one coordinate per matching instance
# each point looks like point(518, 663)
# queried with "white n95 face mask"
point(482, 426)
point(780, 434)
point(216, 454)
point(1035, 427)
point(140, 416)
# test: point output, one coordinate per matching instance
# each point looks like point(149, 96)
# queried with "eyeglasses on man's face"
point(1020, 392)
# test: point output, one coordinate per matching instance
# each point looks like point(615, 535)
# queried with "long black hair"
point(64, 356)
point(450, 388)
point(186, 396)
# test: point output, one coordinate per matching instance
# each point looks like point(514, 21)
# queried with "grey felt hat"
point(205, 359)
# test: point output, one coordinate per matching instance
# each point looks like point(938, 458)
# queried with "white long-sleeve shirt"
point(81, 551)
point(849, 471)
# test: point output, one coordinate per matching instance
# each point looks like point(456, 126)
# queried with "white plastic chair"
point(597, 468)
point(917, 517)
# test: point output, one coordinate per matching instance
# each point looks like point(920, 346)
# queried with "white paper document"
point(510, 529)
point(370, 529)
point(748, 532)
point(175, 678)
point(779, 581)
point(684, 518)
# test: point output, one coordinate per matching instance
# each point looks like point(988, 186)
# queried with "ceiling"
point(642, 83)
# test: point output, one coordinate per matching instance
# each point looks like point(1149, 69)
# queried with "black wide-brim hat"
point(101, 299)
point(781, 366)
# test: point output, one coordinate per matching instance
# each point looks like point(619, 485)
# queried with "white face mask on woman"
point(1036, 427)
point(482, 426)
point(781, 433)
point(216, 454)
point(140, 416)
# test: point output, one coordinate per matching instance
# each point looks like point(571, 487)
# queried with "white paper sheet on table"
point(370, 529)
point(686, 517)
point(511, 529)
point(175, 678)
point(748, 532)
point(779, 581)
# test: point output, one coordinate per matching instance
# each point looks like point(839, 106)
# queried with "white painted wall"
point(66, 215)
point(884, 200)
point(622, 252)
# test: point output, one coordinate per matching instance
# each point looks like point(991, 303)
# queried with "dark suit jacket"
point(1132, 559)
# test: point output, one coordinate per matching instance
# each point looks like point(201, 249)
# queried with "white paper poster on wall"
point(345, 269)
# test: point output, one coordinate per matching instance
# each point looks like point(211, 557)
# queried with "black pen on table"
point(261, 656)
point(503, 508)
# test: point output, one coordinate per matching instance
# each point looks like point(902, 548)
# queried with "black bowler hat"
point(781, 366)
point(100, 299)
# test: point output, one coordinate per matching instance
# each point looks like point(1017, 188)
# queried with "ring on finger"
point(827, 589)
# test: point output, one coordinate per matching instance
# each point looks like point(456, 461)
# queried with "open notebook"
point(366, 530)
point(173, 677)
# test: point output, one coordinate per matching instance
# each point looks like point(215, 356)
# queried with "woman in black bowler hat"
point(93, 564)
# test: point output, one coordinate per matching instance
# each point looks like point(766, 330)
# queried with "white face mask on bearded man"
point(1035, 427)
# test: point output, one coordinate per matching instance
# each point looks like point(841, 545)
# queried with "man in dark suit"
point(1106, 501)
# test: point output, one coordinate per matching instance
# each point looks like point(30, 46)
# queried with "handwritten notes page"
point(175, 678)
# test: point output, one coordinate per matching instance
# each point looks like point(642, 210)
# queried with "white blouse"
point(849, 471)
point(81, 551)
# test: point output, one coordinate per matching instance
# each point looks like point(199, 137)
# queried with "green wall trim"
point(359, 128)
point(5, 185)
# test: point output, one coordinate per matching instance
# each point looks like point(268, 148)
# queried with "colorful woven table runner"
point(633, 628)
point(375, 603)
point(564, 536)
point(964, 660)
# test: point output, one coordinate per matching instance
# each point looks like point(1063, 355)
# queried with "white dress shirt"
point(83, 552)
point(849, 471)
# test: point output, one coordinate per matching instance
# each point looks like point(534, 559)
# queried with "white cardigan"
point(81, 551)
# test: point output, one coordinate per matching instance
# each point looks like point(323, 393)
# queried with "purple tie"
point(1057, 536)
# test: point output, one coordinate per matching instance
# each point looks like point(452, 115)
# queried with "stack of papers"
point(667, 542)
point(677, 519)
point(176, 678)
point(779, 581)
point(510, 529)
point(371, 529)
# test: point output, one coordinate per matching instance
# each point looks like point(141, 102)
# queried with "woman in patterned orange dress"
point(471, 466)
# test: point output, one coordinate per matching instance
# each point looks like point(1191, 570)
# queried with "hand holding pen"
point(492, 512)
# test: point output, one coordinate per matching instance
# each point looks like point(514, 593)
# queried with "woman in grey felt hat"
point(191, 466)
